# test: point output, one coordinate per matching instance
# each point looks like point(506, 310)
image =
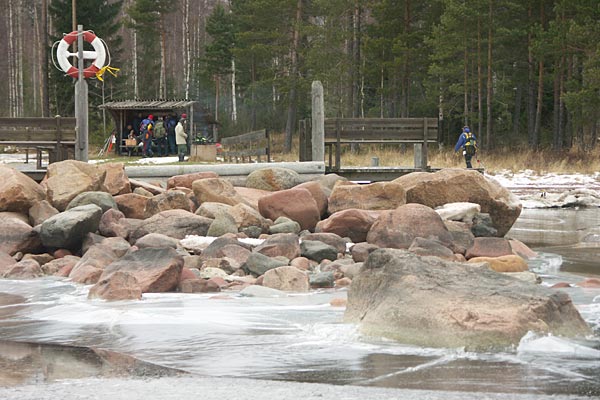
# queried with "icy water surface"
point(295, 338)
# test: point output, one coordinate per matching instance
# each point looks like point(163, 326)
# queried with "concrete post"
point(318, 122)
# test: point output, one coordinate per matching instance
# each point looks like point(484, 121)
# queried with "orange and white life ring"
point(98, 55)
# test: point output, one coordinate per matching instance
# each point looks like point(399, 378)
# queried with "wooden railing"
point(356, 131)
point(56, 135)
point(245, 147)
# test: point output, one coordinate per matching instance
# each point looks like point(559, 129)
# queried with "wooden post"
point(81, 104)
point(424, 161)
point(338, 145)
point(59, 156)
point(318, 122)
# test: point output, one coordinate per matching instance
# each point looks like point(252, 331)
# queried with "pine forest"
point(521, 73)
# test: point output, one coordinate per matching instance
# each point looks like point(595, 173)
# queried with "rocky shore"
point(425, 244)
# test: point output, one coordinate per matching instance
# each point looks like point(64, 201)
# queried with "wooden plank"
point(34, 143)
point(35, 134)
point(42, 123)
point(246, 137)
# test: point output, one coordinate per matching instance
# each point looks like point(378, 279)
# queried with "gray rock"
point(273, 179)
point(257, 264)
point(322, 280)
point(67, 229)
point(174, 223)
point(222, 224)
point(317, 251)
point(284, 225)
point(156, 240)
point(430, 302)
point(253, 231)
point(102, 199)
point(483, 226)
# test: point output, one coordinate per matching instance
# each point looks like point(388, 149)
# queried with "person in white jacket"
point(181, 137)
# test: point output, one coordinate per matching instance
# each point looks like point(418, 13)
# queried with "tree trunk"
point(253, 96)
point(163, 59)
point(290, 126)
point(404, 100)
point(12, 81)
point(187, 48)
point(556, 107)
point(479, 80)
point(490, 90)
point(530, 84)
point(540, 92)
point(233, 93)
point(44, 61)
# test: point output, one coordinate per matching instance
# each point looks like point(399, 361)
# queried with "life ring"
point(98, 55)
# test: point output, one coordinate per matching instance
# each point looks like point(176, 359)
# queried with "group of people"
point(167, 133)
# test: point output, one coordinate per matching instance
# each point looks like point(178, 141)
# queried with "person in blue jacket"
point(468, 142)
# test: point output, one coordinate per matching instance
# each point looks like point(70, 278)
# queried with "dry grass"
point(542, 161)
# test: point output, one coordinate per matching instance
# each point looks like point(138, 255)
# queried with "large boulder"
point(155, 269)
point(170, 200)
point(319, 193)
point(115, 179)
point(66, 179)
point(429, 302)
point(91, 265)
point(251, 195)
point(489, 247)
point(245, 216)
point(280, 244)
point(119, 286)
point(174, 223)
point(133, 205)
point(374, 196)
point(287, 279)
point(102, 199)
point(463, 185)
point(18, 192)
point(210, 209)
point(17, 236)
point(295, 204)
point(509, 263)
point(217, 190)
point(273, 179)
point(24, 269)
point(41, 211)
point(187, 179)
point(398, 228)
point(352, 223)
point(6, 261)
point(67, 229)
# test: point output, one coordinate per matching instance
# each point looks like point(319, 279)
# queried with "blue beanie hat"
point(467, 129)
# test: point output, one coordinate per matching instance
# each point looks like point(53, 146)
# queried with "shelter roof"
point(147, 104)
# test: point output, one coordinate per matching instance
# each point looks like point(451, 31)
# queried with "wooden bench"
point(242, 148)
point(349, 131)
point(57, 136)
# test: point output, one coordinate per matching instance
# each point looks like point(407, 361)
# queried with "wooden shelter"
point(125, 112)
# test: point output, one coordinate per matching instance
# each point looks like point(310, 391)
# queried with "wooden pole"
point(81, 104)
point(318, 122)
